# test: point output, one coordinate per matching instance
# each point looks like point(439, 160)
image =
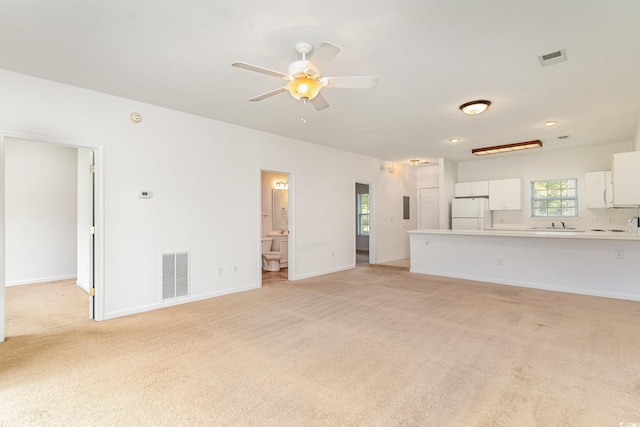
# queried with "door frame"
point(98, 196)
point(372, 219)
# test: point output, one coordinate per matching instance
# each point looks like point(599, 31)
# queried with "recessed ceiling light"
point(475, 107)
point(454, 140)
point(550, 123)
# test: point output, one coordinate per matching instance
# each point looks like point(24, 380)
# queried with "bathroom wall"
point(206, 182)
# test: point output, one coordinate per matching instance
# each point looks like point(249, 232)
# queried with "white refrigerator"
point(470, 214)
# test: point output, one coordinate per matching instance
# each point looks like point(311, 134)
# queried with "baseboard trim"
point(177, 301)
point(40, 280)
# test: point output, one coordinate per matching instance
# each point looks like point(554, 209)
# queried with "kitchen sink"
point(554, 229)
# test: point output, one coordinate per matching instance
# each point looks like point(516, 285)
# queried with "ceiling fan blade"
point(319, 103)
point(358, 82)
point(324, 55)
point(268, 94)
point(260, 69)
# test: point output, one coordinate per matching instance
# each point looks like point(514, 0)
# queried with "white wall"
point(448, 174)
point(569, 163)
point(205, 179)
point(40, 196)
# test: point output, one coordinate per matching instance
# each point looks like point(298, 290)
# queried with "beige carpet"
point(35, 307)
point(374, 346)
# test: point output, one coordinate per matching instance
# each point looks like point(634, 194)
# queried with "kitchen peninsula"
point(584, 262)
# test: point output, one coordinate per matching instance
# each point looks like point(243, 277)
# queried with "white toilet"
point(270, 259)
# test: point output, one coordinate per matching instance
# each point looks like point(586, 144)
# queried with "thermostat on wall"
point(144, 194)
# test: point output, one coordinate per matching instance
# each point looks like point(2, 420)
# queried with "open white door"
point(86, 225)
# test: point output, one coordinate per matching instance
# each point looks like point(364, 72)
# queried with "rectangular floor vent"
point(175, 275)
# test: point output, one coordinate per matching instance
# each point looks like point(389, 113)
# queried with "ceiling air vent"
point(553, 58)
point(564, 137)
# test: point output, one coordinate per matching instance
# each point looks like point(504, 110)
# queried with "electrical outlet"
point(619, 254)
point(333, 254)
point(595, 220)
point(220, 271)
point(499, 261)
point(235, 269)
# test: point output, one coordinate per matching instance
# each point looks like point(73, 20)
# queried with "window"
point(554, 198)
point(363, 215)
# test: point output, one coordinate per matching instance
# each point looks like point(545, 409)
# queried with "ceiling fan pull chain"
point(304, 102)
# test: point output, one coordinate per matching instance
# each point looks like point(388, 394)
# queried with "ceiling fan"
point(304, 77)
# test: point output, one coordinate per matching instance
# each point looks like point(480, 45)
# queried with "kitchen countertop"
point(536, 233)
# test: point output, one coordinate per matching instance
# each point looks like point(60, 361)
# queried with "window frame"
point(560, 198)
point(360, 226)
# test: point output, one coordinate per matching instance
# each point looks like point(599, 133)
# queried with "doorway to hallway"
point(363, 223)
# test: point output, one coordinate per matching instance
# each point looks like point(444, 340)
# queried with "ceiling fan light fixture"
point(475, 107)
point(304, 88)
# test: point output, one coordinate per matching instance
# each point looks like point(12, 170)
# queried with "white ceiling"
point(431, 56)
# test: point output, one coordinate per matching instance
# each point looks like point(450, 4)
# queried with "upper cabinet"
point(626, 178)
point(599, 190)
point(505, 194)
point(471, 189)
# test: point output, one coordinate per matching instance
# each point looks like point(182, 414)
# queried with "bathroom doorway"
point(363, 223)
point(275, 227)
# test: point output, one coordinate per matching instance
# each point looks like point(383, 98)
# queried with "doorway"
point(276, 227)
point(363, 223)
point(51, 231)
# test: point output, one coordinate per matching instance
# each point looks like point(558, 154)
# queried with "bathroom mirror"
point(280, 206)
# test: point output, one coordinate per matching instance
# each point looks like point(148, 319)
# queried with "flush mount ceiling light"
point(414, 162)
point(475, 107)
point(518, 146)
point(454, 140)
point(550, 123)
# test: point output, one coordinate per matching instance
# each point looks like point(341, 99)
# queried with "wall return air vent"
point(175, 275)
point(553, 58)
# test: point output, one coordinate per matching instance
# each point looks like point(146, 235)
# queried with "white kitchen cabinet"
point(471, 189)
point(626, 178)
point(599, 191)
point(505, 194)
